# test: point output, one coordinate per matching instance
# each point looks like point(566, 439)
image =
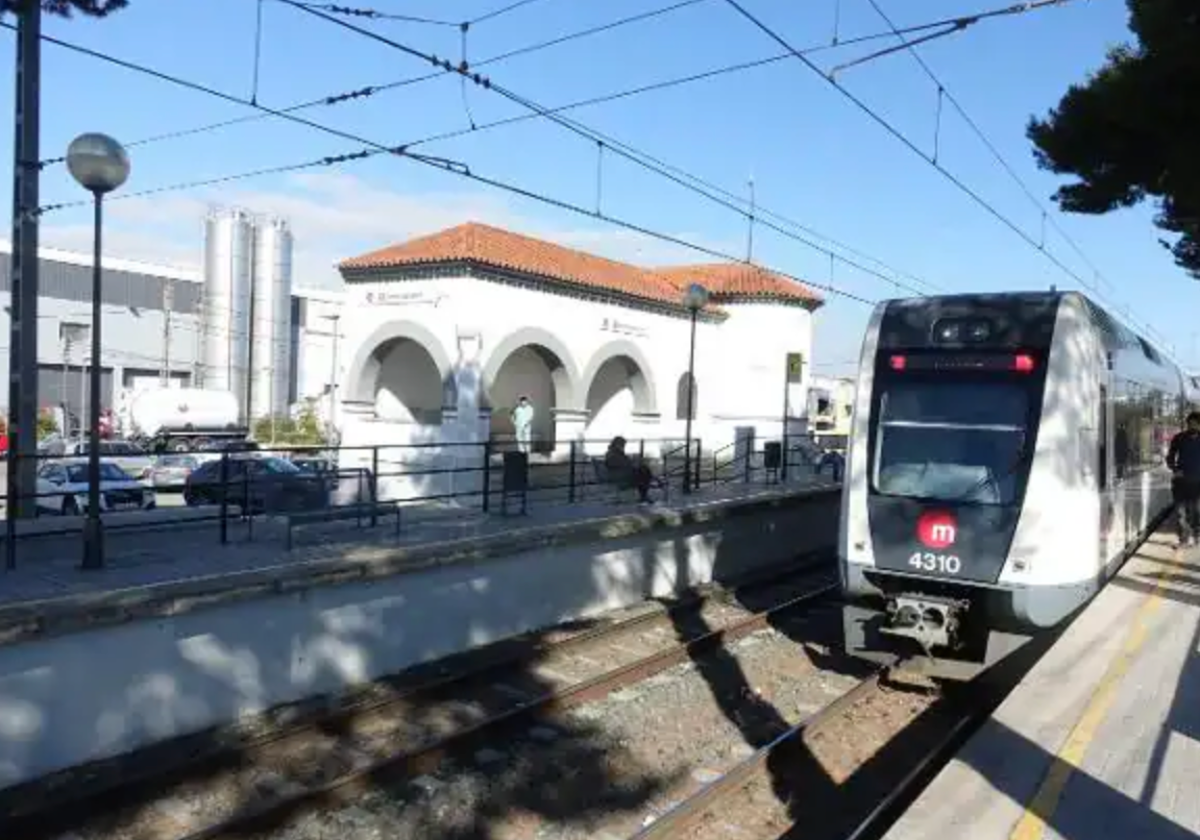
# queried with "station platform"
point(187, 560)
point(1101, 739)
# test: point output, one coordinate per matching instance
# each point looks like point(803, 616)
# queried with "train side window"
point(1103, 426)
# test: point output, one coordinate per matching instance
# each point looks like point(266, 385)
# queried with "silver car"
point(171, 471)
point(135, 461)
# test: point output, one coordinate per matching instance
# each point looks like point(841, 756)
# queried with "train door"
point(1103, 473)
point(1105, 478)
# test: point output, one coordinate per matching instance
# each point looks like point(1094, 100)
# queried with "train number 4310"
point(927, 561)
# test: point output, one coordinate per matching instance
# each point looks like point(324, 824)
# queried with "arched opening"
point(535, 372)
point(618, 390)
point(681, 397)
point(408, 385)
point(408, 350)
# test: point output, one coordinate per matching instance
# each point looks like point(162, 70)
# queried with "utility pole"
point(333, 368)
point(168, 303)
point(22, 359)
point(750, 225)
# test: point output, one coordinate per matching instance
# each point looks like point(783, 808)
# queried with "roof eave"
point(811, 304)
point(364, 273)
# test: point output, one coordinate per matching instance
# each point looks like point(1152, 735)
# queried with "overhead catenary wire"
point(372, 90)
point(503, 10)
point(691, 183)
point(464, 171)
point(945, 94)
point(724, 197)
point(373, 14)
point(445, 165)
point(432, 161)
point(909, 144)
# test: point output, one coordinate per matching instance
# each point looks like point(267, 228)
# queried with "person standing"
point(522, 420)
point(1183, 457)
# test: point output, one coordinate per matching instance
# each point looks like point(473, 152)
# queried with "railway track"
point(333, 755)
point(699, 815)
point(758, 785)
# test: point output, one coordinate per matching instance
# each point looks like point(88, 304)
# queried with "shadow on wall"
point(224, 662)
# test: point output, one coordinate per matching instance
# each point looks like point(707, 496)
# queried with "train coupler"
point(930, 621)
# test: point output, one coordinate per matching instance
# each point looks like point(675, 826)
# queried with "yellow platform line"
point(1044, 803)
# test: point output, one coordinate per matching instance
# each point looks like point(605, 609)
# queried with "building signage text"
point(405, 298)
point(622, 328)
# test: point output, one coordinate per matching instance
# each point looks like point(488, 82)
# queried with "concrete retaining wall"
point(72, 697)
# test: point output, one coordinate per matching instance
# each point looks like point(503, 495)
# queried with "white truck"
point(184, 419)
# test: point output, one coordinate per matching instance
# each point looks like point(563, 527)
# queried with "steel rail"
point(45, 816)
point(677, 821)
point(363, 776)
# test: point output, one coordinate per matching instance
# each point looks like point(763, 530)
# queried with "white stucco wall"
point(751, 369)
point(478, 324)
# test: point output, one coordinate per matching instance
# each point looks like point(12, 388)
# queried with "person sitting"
point(625, 472)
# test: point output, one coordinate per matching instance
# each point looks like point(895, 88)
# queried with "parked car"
point(130, 457)
point(170, 472)
point(62, 487)
point(52, 445)
point(258, 484)
point(214, 449)
point(318, 466)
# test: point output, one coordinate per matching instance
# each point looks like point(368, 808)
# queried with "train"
point(1006, 455)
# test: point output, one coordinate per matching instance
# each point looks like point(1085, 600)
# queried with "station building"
point(441, 335)
point(432, 340)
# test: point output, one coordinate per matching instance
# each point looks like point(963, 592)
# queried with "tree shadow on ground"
point(818, 804)
point(542, 769)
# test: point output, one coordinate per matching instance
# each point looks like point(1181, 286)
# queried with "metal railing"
point(243, 490)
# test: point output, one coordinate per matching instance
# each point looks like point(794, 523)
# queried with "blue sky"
point(814, 158)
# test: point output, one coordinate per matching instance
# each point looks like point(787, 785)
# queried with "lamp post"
point(100, 165)
point(695, 298)
point(333, 319)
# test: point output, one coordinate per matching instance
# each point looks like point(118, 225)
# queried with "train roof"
point(1035, 310)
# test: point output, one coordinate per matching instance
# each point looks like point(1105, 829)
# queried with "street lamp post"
point(695, 298)
point(100, 165)
point(333, 319)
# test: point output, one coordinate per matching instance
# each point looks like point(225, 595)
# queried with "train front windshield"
point(950, 440)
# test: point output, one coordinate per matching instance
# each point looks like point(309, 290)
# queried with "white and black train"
point(1006, 454)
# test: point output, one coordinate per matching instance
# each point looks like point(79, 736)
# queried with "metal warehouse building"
point(161, 328)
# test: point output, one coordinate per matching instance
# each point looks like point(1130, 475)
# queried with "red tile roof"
point(741, 281)
point(488, 246)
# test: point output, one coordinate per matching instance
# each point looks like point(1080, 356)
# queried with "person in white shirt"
point(522, 420)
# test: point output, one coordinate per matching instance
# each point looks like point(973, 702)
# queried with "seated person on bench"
point(625, 472)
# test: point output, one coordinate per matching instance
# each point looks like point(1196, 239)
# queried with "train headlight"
point(948, 332)
point(962, 331)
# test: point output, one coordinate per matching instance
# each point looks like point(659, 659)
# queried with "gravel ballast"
point(609, 768)
point(322, 755)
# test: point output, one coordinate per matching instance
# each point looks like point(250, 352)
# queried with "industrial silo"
point(272, 318)
point(228, 262)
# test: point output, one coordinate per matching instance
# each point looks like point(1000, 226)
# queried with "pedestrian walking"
point(1183, 457)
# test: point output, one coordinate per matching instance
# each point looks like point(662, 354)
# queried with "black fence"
point(290, 486)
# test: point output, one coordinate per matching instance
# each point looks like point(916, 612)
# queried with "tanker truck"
point(184, 419)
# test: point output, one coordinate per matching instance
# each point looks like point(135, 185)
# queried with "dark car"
point(317, 466)
point(257, 485)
